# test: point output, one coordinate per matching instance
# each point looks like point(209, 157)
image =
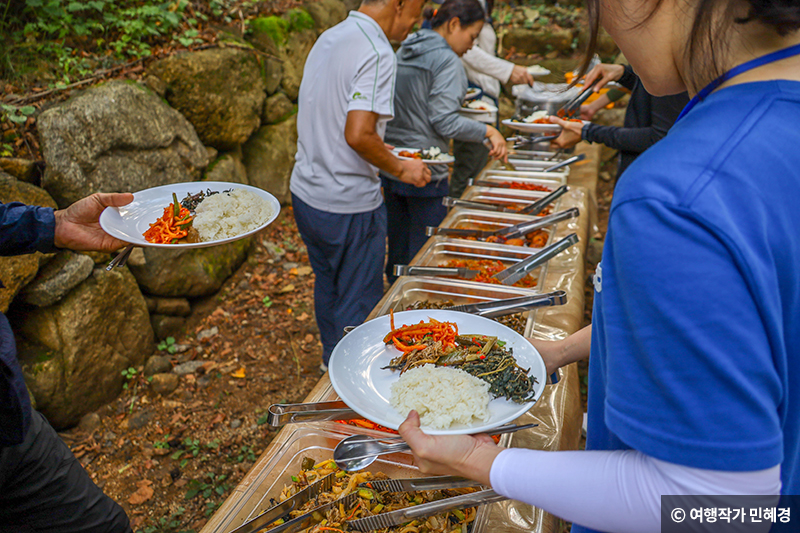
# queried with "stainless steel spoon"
point(360, 451)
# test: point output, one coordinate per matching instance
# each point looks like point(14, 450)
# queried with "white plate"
point(536, 70)
point(129, 222)
point(489, 109)
point(532, 127)
point(472, 92)
point(446, 161)
point(357, 377)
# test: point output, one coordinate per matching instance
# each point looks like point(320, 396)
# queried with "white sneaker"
point(583, 426)
point(324, 368)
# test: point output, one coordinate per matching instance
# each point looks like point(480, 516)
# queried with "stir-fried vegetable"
point(171, 226)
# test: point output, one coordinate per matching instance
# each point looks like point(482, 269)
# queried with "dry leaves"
point(144, 493)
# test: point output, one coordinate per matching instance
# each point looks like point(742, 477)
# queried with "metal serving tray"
point(539, 155)
point(317, 440)
point(489, 220)
point(507, 197)
point(546, 178)
point(439, 250)
point(410, 289)
point(500, 176)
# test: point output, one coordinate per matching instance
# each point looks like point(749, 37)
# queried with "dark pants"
point(346, 252)
point(470, 160)
point(408, 216)
point(43, 488)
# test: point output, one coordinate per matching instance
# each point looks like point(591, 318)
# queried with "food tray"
point(546, 178)
point(489, 220)
point(539, 155)
point(317, 440)
point(438, 250)
point(500, 176)
point(535, 164)
point(409, 289)
point(507, 197)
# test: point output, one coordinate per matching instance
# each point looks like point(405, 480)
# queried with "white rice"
point(442, 396)
point(226, 215)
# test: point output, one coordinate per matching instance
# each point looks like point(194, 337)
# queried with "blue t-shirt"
point(695, 354)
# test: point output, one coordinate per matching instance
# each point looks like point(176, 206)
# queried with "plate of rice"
point(233, 211)
point(449, 400)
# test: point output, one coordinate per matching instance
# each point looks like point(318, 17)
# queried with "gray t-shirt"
point(351, 67)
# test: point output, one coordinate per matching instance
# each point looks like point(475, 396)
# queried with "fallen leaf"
point(287, 288)
point(293, 271)
point(143, 494)
point(309, 337)
point(239, 373)
point(302, 316)
point(304, 271)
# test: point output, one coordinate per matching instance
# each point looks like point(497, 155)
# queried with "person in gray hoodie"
point(431, 85)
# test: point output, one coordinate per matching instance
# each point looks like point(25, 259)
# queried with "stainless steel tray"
point(539, 155)
point(407, 290)
point(501, 176)
point(551, 179)
point(535, 164)
point(467, 218)
point(439, 250)
point(507, 197)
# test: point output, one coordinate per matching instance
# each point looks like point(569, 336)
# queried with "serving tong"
point(121, 258)
point(510, 232)
point(370, 523)
point(531, 209)
point(573, 159)
point(413, 270)
point(573, 105)
point(514, 273)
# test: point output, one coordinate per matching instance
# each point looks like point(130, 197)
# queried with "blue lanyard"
point(744, 67)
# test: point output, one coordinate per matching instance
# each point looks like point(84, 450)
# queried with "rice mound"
point(225, 215)
point(442, 396)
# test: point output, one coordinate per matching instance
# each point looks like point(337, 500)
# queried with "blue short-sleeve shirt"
point(695, 354)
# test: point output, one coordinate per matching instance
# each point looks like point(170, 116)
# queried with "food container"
point(409, 289)
point(540, 155)
point(489, 221)
point(316, 440)
point(439, 250)
point(507, 197)
point(548, 97)
point(538, 178)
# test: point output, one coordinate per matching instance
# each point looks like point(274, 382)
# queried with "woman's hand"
point(468, 456)
point(78, 227)
point(605, 72)
point(565, 351)
point(499, 149)
point(520, 75)
point(570, 133)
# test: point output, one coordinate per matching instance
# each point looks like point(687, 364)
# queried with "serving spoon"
point(360, 451)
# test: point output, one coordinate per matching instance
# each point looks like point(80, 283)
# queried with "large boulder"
point(116, 137)
point(17, 271)
point(269, 157)
point(538, 41)
point(220, 91)
point(326, 13)
point(73, 352)
point(59, 276)
point(294, 54)
point(189, 272)
point(22, 169)
point(277, 108)
point(227, 167)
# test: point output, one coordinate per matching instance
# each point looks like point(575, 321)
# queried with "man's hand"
point(77, 226)
point(606, 73)
point(570, 133)
point(469, 456)
point(499, 148)
point(587, 112)
point(414, 172)
point(520, 75)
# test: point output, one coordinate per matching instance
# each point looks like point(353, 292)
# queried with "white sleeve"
point(481, 61)
point(614, 491)
point(373, 86)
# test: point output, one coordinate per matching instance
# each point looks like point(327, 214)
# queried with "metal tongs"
point(531, 209)
point(573, 159)
point(510, 232)
point(293, 413)
point(514, 273)
point(509, 306)
point(410, 270)
point(571, 106)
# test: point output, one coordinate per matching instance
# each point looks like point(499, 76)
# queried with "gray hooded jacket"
point(431, 84)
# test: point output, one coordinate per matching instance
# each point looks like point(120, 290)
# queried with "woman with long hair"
point(431, 84)
point(694, 378)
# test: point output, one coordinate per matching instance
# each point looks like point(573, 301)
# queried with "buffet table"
point(558, 411)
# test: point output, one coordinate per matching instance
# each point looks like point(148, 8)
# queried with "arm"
point(26, 229)
point(563, 352)
point(482, 61)
point(361, 135)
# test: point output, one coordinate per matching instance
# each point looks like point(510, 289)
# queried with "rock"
point(89, 422)
point(274, 249)
point(151, 304)
point(537, 41)
point(156, 84)
point(189, 272)
point(167, 326)
point(116, 137)
point(228, 168)
point(207, 333)
point(236, 423)
point(220, 91)
point(277, 108)
point(294, 59)
point(164, 383)
point(59, 276)
point(326, 13)
point(273, 74)
point(136, 258)
point(73, 352)
point(173, 306)
point(212, 153)
point(140, 419)
point(269, 157)
point(17, 271)
point(189, 367)
point(22, 169)
point(157, 364)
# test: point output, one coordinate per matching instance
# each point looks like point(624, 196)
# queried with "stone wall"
point(220, 114)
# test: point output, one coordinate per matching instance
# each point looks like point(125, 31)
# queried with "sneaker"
point(583, 426)
point(323, 367)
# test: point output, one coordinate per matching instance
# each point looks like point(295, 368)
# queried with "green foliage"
point(17, 115)
point(275, 27)
point(162, 444)
point(207, 485)
point(299, 19)
point(129, 373)
point(267, 301)
point(167, 345)
point(170, 523)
